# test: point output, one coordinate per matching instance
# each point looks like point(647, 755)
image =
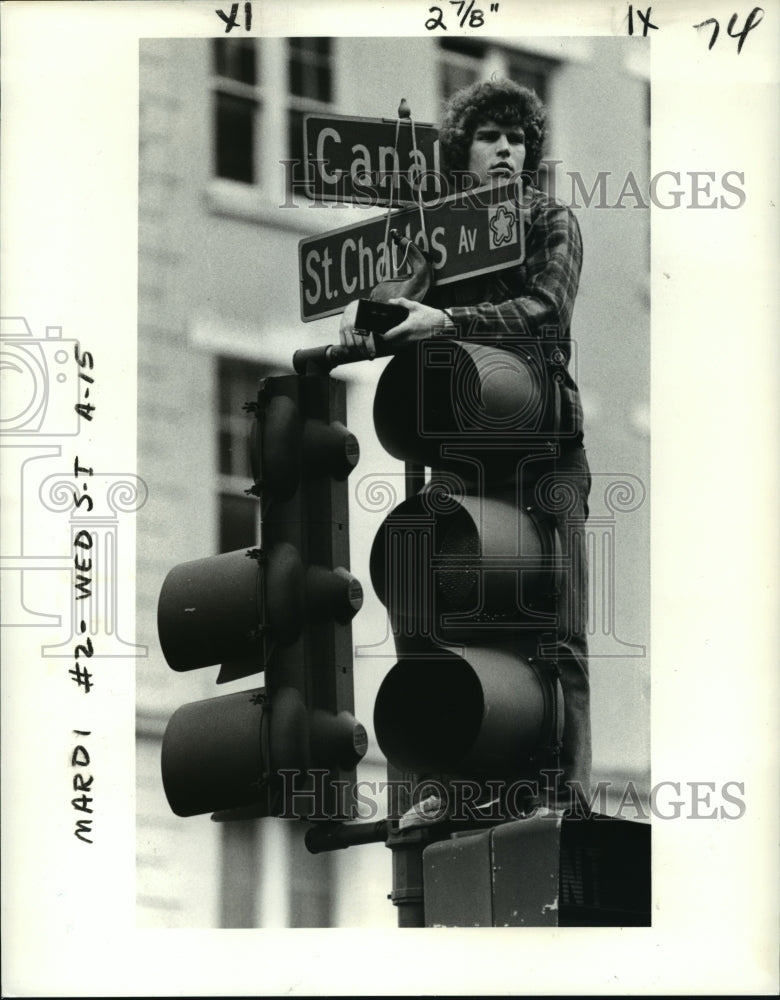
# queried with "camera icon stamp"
point(39, 380)
point(47, 395)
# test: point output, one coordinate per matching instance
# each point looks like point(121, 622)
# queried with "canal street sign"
point(370, 161)
point(466, 234)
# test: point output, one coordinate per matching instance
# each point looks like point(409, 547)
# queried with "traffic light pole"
point(408, 845)
point(408, 891)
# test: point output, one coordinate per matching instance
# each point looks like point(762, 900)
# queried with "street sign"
point(370, 161)
point(466, 234)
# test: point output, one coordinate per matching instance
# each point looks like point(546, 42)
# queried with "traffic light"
point(470, 568)
point(284, 608)
point(472, 404)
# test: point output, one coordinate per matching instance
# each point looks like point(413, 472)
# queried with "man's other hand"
point(422, 322)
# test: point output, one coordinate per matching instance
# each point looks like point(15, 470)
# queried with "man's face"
point(497, 151)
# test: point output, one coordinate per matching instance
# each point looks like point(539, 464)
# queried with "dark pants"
point(554, 492)
point(557, 493)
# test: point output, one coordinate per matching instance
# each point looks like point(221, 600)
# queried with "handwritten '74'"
point(754, 18)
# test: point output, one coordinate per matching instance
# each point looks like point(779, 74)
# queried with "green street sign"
point(466, 234)
point(370, 161)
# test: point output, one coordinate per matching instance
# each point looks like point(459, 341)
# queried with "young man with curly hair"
point(495, 130)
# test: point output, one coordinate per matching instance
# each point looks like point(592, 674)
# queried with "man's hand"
point(421, 323)
point(349, 338)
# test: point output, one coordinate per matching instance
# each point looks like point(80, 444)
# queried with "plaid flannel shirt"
point(533, 301)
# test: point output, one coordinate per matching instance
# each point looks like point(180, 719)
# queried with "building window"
point(309, 68)
point(529, 71)
point(463, 61)
point(310, 86)
point(253, 134)
point(237, 107)
point(238, 513)
point(460, 64)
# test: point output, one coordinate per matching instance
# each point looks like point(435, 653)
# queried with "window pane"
point(225, 452)
point(236, 58)
point(309, 68)
point(296, 176)
point(320, 46)
point(238, 381)
point(521, 73)
point(237, 522)
point(453, 77)
point(225, 379)
point(235, 137)
point(324, 78)
point(463, 45)
point(296, 78)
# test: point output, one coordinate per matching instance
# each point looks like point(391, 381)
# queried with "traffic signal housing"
point(283, 608)
point(469, 567)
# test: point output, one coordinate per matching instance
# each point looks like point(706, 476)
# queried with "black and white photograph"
point(232, 258)
point(374, 377)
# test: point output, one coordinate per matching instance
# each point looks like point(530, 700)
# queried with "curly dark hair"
point(504, 102)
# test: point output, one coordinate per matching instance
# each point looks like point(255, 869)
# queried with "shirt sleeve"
point(548, 281)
